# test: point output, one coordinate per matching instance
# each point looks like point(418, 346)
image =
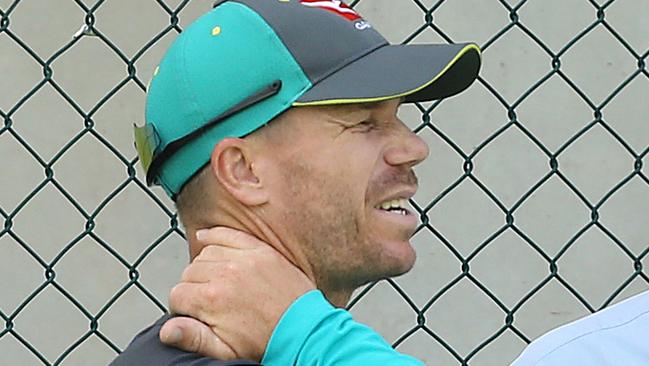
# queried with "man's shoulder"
point(146, 349)
point(617, 334)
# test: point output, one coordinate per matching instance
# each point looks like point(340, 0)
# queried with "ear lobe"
point(232, 165)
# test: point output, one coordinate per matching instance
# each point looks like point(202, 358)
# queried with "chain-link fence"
point(533, 202)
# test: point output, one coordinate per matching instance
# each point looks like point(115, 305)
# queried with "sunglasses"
point(153, 153)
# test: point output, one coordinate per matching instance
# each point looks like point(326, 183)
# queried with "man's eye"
point(367, 124)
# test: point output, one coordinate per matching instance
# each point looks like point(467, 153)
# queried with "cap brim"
point(417, 72)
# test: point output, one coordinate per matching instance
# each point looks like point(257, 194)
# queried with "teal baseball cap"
point(246, 61)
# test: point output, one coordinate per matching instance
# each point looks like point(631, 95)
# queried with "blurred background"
point(533, 202)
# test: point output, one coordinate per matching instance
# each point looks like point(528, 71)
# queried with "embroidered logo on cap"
point(334, 6)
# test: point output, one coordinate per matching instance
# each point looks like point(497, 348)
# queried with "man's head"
point(321, 178)
point(280, 116)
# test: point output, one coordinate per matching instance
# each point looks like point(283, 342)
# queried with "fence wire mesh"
point(37, 164)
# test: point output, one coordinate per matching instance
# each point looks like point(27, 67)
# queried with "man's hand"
point(233, 295)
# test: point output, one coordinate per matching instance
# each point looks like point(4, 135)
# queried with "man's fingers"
point(218, 253)
point(183, 299)
point(228, 237)
point(205, 269)
point(200, 300)
point(191, 335)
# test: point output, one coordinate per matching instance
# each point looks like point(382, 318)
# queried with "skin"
point(238, 286)
point(306, 185)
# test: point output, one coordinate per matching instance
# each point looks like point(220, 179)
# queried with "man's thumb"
point(191, 335)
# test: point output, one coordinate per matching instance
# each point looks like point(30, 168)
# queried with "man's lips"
point(404, 218)
point(398, 195)
point(395, 209)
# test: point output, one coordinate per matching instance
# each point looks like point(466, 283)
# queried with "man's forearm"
point(313, 332)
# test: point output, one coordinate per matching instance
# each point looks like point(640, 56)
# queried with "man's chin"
point(398, 258)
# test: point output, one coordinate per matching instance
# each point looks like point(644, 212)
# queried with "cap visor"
point(417, 72)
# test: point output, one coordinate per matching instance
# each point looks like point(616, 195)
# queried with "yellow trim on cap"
point(379, 99)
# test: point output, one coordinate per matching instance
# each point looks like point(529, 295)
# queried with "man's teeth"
point(393, 204)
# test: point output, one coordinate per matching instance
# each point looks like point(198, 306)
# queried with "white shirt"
point(615, 336)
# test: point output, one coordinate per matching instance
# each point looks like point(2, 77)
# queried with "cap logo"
point(334, 6)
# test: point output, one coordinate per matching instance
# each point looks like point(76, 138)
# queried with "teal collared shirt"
point(313, 332)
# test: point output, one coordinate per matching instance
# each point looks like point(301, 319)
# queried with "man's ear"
point(232, 165)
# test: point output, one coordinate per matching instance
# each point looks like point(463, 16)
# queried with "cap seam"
point(281, 46)
point(335, 69)
point(276, 35)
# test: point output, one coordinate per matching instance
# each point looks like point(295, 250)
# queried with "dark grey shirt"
point(146, 349)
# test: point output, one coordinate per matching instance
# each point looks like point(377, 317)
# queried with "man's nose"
point(408, 149)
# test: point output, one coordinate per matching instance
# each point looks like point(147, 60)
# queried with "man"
point(278, 119)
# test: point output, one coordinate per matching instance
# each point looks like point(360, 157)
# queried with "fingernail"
point(201, 234)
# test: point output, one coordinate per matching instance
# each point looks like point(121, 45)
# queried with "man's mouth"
point(396, 206)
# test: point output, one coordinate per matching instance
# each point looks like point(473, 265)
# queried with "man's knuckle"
point(213, 292)
point(230, 269)
point(186, 274)
point(174, 293)
point(176, 299)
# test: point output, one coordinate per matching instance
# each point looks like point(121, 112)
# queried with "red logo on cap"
point(334, 6)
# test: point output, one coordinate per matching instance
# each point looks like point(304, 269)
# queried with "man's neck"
point(249, 222)
point(246, 220)
point(339, 299)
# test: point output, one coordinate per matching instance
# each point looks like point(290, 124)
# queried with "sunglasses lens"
point(147, 143)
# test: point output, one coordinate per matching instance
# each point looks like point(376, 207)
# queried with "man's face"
point(339, 172)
